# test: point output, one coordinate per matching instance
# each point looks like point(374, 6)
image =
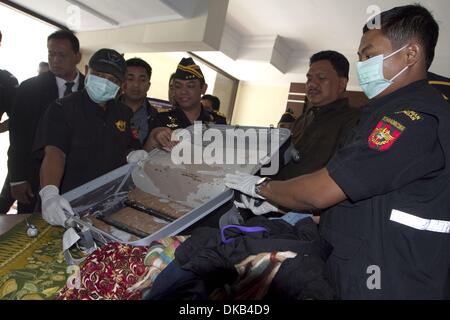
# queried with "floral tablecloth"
point(32, 268)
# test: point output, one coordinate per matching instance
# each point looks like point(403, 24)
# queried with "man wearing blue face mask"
point(84, 135)
point(386, 193)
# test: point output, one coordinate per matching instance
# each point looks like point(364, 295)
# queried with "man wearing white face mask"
point(84, 135)
point(386, 193)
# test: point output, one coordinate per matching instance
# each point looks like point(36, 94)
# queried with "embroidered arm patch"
point(385, 134)
point(121, 125)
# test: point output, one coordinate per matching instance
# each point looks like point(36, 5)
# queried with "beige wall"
point(163, 65)
point(259, 105)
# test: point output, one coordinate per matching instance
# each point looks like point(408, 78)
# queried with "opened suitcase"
point(172, 196)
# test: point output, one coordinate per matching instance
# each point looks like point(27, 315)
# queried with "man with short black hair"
point(33, 97)
point(212, 104)
point(321, 129)
point(135, 88)
point(388, 189)
point(286, 120)
point(43, 67)
point(188, 87)
point(84, 135)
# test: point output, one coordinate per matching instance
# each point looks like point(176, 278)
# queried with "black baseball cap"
point(109, 61)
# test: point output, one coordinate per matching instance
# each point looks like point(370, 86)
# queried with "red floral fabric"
point(107, 274)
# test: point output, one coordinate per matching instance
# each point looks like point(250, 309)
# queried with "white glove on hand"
point(263, 207)
point(244, 183)
point(53, 206)
point(136, 156)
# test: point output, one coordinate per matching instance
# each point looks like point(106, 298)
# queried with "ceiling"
point(266, 41)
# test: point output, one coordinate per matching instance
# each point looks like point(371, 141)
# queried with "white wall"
point(259, 105)
point(24, 45)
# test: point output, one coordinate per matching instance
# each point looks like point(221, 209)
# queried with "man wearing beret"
point(84, 135)
point(188, 87)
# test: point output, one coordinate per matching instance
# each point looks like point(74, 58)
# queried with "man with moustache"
point(318, 133)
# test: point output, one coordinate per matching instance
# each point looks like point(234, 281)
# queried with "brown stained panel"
point(172, 209)
point(297, 97)
point(138, 220)
point(297, 87)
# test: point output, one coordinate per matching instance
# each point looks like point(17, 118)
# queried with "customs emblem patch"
point(385, 134)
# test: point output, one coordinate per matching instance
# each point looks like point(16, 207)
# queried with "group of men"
point(67, 129)
point(384, 196)
point(379, 175)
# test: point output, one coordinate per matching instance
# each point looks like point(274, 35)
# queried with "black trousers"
point(6, 201)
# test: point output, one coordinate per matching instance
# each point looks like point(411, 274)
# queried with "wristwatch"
point(261, 183)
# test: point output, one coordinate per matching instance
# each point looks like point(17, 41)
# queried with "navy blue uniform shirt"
point(395, 173)
point(95, 141)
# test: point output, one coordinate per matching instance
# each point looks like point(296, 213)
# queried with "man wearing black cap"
point(188, 87)
point(212, 104)
point(84, 135)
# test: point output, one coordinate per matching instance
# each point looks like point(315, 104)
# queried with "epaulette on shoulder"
point(163, 110)
point(220, 114)
point(439, 82)
point(411, 115)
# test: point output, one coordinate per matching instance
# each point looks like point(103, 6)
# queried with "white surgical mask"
point(100, 89)
point(371, 77)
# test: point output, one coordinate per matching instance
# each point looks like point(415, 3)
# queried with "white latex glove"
point(263, 207)
point(244, 183)
point(136, 156)
point(53, 206)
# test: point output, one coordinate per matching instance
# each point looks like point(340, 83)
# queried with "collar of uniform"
point(91, 105)
point(204, 114)
point(335, 105)
point(151, 110)
point(404, 91)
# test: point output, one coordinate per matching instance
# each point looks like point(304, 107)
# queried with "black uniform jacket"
point(391, 238)
point(33, 98)
point(95, 141)
point(176, 119)
point(8, 87)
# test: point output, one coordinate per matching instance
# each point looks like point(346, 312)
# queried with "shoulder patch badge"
point(121, 125)
point(385, 134)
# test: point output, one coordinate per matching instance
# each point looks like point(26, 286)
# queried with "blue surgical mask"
point(371, 77)
point(100, 89)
